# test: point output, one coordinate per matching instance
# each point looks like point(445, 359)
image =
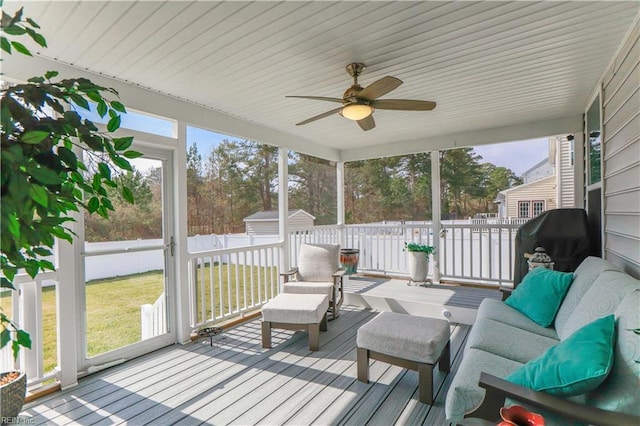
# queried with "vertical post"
point(68, 301)
point(578, 170)
point(283, 208)
point(340, 203)
point(435, 209)
point(182, 320)
point(31, 322)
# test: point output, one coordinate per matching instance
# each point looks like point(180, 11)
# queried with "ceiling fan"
point(358, 103)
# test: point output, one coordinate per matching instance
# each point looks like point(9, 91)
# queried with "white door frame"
point(88, 365)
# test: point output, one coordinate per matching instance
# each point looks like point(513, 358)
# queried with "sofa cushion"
point(508, 341)
point(317, 262)
point(540, 293)
point(619, 392)
point(497, 310)
point(601, 299)
point(577, 365)
point(464, 393)
point(583, 278)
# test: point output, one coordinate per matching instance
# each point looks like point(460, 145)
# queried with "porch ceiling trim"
point(21, 68)
point(524, 131)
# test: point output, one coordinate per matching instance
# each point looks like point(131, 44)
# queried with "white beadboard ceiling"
point(486, 64)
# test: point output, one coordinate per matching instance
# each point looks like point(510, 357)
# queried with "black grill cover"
point(563, 233)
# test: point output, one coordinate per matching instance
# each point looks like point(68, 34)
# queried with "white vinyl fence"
point(134, 261)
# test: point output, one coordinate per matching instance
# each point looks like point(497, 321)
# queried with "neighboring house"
point(541, 170)
point(547, 185)
point(266, 223)
point(529, 199)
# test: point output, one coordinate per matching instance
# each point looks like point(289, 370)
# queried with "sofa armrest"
point(286, 276)
point(506, 292)
point(498, 389)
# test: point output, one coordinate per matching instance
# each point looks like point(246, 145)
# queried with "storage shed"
point(266, 223)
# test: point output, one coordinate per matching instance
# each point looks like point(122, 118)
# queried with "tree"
point(461, 179)
point(194, 190)
point(143, 219)
point(53, 163)
point(498, 179)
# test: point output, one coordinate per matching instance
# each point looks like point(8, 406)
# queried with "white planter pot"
point(418, 266)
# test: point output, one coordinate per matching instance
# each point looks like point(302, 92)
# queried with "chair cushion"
point(508, 341)
point(497, 310)
point(583, 277)
point(317, 262)
point(602, 298)
point(619, 392)
point(296, 308)
point(540, 293)
point(302, 287)
point(576, 365)
point(464, 393)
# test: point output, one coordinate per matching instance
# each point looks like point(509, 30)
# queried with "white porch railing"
point(226, 283)
point(478, 250)
point(28, 312)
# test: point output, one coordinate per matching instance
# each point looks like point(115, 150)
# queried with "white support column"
point(578, 170)
point(283, 207)
point(182, 320)
point(68, 302)
point(435, 209)
point(340, 202)
point(31, 321)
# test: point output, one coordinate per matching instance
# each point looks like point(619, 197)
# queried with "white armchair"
point(318, 272)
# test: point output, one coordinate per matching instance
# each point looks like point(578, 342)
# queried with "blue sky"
point(518, 156)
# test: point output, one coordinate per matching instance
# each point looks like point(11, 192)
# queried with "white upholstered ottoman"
point(307, 312)
point(408, 341)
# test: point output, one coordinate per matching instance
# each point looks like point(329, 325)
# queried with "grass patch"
point(113, 305)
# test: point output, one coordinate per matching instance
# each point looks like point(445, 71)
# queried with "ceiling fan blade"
point(318, 117)
point(367, 123)
point(403, 104)
point(379, 88)
point(318, 98)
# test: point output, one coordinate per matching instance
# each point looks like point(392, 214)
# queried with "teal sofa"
point(502, 339)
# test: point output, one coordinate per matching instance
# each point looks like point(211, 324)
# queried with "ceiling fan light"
point(356, 112)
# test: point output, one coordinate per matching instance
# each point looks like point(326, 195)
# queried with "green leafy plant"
point(54, 162)
point(415, 247)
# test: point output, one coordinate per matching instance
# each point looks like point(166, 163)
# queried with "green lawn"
point(113, 305)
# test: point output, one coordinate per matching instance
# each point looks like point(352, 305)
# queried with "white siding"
point(262, 227)
point(541, 190)
point(542, 171)
point(621, 161)
point(300, 221)
point(297, 221)
point(565, 173)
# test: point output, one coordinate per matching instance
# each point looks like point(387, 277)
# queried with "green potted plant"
point(44, 177)
point(418, 261)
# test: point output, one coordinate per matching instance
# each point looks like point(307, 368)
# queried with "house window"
point(538, 207)
point(523, 209)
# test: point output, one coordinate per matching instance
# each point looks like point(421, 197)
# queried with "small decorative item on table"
point(349, 260)
point(540, 259)
point(519, 416)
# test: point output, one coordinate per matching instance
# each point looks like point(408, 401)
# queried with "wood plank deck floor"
point(238, 382)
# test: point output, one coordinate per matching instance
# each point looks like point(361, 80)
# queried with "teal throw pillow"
point(540, 294)
point(576, 365)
